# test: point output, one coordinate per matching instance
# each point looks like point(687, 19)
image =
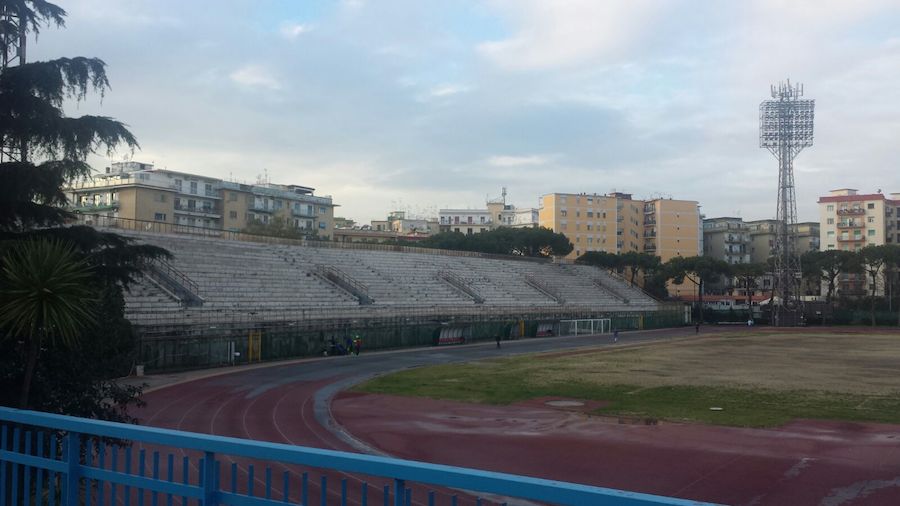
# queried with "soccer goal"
point(584, 327)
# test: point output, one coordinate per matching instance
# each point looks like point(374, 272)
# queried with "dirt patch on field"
point(851, 363)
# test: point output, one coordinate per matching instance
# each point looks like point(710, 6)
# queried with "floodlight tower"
point(785, 128)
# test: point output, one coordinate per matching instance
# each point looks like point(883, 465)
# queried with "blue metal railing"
point(55, 459)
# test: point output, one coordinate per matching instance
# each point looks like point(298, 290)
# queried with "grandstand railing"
point(57, 459)
point(544, 288)
point(460, 284)
point(345, 282)
point(157, 227)
point(175, 282)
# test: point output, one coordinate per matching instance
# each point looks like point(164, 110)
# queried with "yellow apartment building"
point(672, 228)
point(137, 191)
point(594, 222)
point(617, 223)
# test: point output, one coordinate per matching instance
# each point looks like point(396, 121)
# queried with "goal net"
point(584, 327)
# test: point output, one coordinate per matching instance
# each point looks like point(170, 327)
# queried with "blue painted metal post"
point(209, 479)
point(399, 489)
point(73, 468)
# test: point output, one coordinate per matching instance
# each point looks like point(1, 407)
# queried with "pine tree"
point(41, 151)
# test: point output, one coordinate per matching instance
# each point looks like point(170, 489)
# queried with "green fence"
point(214, 347)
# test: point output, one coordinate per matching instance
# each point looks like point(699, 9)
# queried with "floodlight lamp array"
point(786, 123)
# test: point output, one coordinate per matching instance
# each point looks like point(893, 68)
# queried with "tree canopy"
point(529, 242)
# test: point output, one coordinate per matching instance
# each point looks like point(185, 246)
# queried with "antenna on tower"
point(503, 194)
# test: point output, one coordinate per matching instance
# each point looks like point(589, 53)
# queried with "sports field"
point(758, 378)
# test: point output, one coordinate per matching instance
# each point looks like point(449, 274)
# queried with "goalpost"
point(585, 327)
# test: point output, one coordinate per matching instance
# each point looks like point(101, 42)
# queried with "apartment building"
point(762, 238)
point(497, 213)
point(466, 221)
point(400, 223)
point(672, 228)
point(138, 191)
point(851, 221)
point(617, 223)
point(726, 239)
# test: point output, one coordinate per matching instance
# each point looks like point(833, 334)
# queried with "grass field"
point(758, 378)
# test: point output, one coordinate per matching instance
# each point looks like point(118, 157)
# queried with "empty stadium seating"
point(236, 276)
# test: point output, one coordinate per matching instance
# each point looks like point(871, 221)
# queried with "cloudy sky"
point(419, 105)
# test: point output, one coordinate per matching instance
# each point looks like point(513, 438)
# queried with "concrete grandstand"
point(233, 284)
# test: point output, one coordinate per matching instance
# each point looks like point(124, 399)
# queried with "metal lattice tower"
point(785, 128)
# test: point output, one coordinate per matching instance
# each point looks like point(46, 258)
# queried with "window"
point(829, 207)
point(831, 221)
point(322, 224)
point(232, 197)
point(279, 204)
point(208, 188)
point(469, 230)
point(160, 197)
point(232, 215)
point(178, 184)
point(830, 233)
point(590, 214)
point(870, 219)
point(192, 204)
point(482, 219)
point(870, 205)
point(193, 187)
point(563, 213)
point(323, 210)
point(177, 203)
point(159, 216)
point(871, 233)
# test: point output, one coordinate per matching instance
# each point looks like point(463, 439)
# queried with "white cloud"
point(518, 161)
point(291, 31)
point(442, 91)
point(559, 34)
point(255, 76)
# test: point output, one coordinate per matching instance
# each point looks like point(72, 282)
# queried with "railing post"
point(209, 479)
point(399, 492)
point(73, 468)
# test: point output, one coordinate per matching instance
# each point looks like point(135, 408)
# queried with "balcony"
point(261, 209)
point(300, 213)
point(198, 211)
point(95, 208)
point(851, 224)
point(650, 233)
point(851, 211)
point(859, 238)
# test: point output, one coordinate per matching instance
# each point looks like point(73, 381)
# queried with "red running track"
point(805, 462)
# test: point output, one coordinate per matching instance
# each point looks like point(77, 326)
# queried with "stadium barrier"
point(56, 459)
point(221, 341)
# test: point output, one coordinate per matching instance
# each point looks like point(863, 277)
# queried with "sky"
point(418, 105)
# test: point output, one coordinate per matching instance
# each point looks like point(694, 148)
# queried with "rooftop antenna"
point(785, 129)
point(503, 194)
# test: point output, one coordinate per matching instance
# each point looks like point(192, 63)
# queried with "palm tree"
point(45, 296)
